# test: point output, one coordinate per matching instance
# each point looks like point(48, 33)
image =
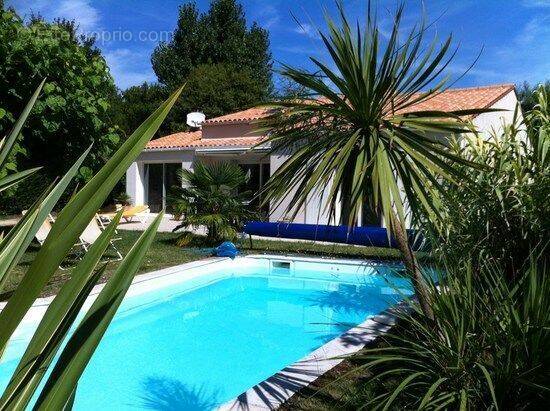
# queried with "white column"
point(135, 183)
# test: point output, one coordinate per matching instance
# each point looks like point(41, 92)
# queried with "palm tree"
point(211, 196)
point(357, 139)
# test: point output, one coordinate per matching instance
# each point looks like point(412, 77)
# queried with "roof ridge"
point(507, 85)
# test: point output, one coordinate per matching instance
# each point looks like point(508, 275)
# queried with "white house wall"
point(310, 213)
point(487, 122)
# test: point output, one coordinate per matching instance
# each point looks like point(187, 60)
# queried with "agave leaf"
point(13, 179)
point(56, 323)
point(14, 245)
point(24, 383)
point(84, 341)
point(8, 143)
point(73, 219)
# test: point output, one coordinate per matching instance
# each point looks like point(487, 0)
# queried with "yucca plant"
point(358, 140)
point(488, 347)
point(59, 389)
point(211, 196)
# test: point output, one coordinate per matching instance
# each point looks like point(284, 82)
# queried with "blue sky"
point(514, 34)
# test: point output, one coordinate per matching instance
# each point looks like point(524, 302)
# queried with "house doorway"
point(160, 178)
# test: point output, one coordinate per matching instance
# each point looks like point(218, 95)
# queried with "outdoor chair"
point(91, 233)
point(140, 213)
point(44, 229)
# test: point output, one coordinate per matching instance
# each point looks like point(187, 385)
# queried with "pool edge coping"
point(274, 391)
point(44, 302)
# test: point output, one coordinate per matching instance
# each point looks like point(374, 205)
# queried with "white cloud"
point(81, 11)
point(307, 30)
point(87, 16)
point(129, 67)
point(536, 28)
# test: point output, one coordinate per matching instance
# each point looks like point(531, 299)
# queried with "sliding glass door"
point(259, 174)
point(160, 179)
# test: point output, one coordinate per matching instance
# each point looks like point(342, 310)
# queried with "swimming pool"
point(195, 338)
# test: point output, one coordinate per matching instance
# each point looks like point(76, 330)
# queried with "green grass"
point(164, 253)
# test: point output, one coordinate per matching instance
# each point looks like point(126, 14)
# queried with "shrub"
point(488, 347)
point(210, 197)
point(501, 212)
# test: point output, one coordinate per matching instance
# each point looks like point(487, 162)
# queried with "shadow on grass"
point(165, 394)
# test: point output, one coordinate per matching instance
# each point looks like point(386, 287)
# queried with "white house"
point(231, 137)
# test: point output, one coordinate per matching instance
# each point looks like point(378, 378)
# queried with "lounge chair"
point(44, 229)
point(91, 233)
point(138, 212)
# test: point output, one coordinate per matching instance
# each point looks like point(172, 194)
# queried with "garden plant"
point(59, 389)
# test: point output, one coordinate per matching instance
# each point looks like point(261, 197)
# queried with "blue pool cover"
point(366, 236)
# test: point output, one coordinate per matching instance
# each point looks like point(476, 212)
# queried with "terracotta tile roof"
point(450, 100)
point(464, 98)
point(228, 142)
point(192, 140)
point(175, 140)
point(250, 114)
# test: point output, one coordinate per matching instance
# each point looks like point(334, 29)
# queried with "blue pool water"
point(195, 347)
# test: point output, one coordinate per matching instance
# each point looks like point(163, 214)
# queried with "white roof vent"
point(195, 120)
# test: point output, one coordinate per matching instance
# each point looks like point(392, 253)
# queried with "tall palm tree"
point(357, 139)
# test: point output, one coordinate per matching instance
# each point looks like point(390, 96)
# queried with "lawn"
point(164, 253)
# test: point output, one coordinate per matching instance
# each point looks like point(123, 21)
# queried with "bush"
point(501, 212)
point(74, 110)
point(210, 198)
point(488, 347)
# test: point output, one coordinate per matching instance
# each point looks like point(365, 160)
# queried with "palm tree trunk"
point(412, 267)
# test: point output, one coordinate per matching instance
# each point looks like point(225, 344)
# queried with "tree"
point(133, 105)
point(215, 89)
point(74, 111)
point(227, 63)
point(357, 140)
point(210, 197)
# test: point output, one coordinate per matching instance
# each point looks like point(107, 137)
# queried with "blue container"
point(226, 249)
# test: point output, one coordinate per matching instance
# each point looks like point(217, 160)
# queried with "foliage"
point(217, 36)
point(501, 212)
point(59, 389)
point(74, 110)
point(487, 349)
point(210, 197)
point(526, 95)
point(133, 105)
point(227, 64)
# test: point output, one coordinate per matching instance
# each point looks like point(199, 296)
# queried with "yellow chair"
point(138, 212)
